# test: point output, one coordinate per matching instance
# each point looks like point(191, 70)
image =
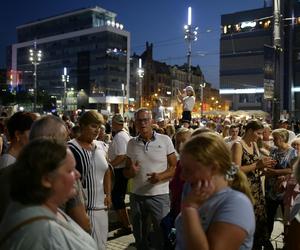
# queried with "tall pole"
point(123, 92)
point(65, 79)
point(277, 100)
point(35, 56)
point(190, 36)
point(35, 86)
point(202, 86)
point(140, 72)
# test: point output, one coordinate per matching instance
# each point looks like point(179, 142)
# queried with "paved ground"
point(125, 242)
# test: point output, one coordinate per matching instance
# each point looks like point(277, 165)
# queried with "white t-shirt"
point(188, 103)
point(228, 206)
point(152, 157)
point(228, 140)
point(6, 160)
point(118, 146)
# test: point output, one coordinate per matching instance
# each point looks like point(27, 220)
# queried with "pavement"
point(127, 241)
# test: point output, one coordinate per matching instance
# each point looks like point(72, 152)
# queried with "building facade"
point(244, 38)
point(163, 81)
point(93, 47)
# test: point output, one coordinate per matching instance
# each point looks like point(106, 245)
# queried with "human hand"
point(107, 201)
point(265, 162)
point(153, 178)
point(200, 192)
point(135, 167)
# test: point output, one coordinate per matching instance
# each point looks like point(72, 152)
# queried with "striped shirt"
point(92, 165)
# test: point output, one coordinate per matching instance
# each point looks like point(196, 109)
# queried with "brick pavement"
point(124, 242)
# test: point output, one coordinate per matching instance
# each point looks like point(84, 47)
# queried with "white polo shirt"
point(152, 157)
point(118, 146)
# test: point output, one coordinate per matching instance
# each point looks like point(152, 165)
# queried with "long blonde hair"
point(209, 148)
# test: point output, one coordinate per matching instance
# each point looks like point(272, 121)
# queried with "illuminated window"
point(267, 24)
point(225, 29)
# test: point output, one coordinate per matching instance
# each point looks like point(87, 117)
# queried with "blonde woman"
point(187, 98)
point(217, 213)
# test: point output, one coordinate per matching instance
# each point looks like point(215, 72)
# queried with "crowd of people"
point(206, 184)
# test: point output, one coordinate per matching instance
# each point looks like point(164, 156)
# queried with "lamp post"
point(35, 56)
point(202, 85)
point(140, 72)
point(278, 57)
point(123, 92)
point(65, 79)
point(190, 35)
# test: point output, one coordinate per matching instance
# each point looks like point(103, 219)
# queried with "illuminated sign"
point(248, 24)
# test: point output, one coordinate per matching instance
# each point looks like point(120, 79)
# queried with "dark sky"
point(158, 21)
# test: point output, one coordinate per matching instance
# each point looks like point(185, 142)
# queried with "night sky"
point(158, 21)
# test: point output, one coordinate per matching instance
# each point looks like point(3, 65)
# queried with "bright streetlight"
point(35, 56)
point(190, 35)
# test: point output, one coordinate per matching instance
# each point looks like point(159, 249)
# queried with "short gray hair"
point(142, 110)
point(48, 126)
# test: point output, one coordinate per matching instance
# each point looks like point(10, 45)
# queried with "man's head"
point(143, 122)
point(234, 131)
point(284, 123)
point(49, 126)
point(117, 122)
point(161, 122)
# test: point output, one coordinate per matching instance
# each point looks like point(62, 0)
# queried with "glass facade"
point(96, 56)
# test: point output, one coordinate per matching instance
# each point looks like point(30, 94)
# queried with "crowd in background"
point(194, 183)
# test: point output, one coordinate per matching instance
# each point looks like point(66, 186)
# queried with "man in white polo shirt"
point(151, 163)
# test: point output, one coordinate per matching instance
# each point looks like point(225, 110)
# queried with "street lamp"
point(190, 35)
point(35, 56)
point(123, 93)
point(65, 79)
point(140, 72)
point(202, 85)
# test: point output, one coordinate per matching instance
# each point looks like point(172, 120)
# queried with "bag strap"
point(20, 225)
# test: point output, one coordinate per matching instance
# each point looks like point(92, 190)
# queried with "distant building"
point(242, 58)
point(93, 47)
point(163, 81)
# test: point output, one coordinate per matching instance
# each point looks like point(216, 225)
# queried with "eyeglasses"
point(145, 120)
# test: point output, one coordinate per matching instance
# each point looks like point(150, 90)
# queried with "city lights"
point(190, 35)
